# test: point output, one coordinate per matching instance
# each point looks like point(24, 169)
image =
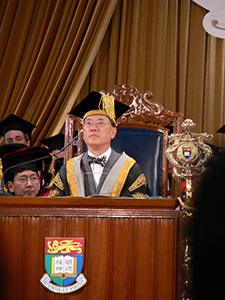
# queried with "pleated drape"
point(166, 51)
point(53, 53)
point(49, 47)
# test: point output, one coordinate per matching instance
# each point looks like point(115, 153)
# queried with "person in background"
point(100, 170)
point(55, 144)
point(21, 170)
point(6, 149)
point(209, 231)
point(15, 130)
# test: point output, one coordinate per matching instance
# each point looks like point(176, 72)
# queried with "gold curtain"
point(162, 46)
point(46, 51)
point(53, 53)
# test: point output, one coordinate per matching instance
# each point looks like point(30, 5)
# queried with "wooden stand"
point(131, 246)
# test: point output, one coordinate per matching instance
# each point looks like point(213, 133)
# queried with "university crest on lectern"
point(63, 264)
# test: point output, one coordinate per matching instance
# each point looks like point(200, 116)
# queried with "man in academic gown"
point(100, 170)
point(55, 144)
point(16, 130)
point(22, 169)
point(6, 149)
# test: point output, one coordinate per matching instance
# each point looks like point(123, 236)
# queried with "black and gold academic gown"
point(121, 177)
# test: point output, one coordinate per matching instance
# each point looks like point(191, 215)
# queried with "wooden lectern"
point(131, 246)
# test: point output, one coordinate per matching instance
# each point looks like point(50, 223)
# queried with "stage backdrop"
point(53, 53)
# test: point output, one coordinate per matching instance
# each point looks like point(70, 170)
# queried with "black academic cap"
point(222, 129)
point(55, 142)
point(97, 103)
point(8, 148)
point(13, 122)
point(30, 158)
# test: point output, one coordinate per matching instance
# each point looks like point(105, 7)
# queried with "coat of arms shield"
point(63, 264)
point(186, 152)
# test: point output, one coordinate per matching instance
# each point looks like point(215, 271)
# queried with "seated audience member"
point(55, 144)
point(21, 170)
point(209, 232)
point(16, 130)
point(5, 149)
point(100, 170)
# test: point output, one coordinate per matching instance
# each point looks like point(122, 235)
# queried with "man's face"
point(98, 136)
point(16, 137)
point(25, 184)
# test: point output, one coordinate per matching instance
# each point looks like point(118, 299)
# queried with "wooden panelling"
point(131, 246)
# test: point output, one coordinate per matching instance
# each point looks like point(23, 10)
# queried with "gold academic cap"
point(13, 122)
point(99, 104)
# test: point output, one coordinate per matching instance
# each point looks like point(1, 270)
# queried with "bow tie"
point(101, 161)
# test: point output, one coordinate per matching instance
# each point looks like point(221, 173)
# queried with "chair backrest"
point(142, 132)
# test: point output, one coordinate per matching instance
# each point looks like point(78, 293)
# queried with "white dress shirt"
point(97, 168)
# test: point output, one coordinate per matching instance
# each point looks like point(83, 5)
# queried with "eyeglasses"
point(99, 123)
point(24, 179)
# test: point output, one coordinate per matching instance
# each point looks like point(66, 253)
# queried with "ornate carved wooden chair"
point(142, 133)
